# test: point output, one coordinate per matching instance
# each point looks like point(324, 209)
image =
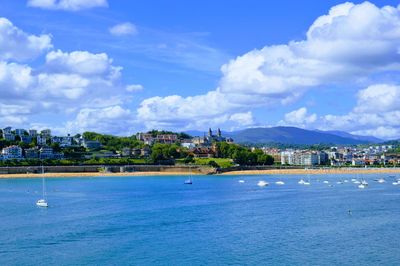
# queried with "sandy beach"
point(246, 172)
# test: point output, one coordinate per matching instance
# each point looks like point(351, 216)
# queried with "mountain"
point(369, 139)
point(291, 135)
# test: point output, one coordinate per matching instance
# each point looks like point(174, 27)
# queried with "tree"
point(213, 164)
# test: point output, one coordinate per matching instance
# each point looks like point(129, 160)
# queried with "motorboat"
point(241, 181)
point(280, 183)
point(262, 183)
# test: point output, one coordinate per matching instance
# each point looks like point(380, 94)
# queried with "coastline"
point(241, 172)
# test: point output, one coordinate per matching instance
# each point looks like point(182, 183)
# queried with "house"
point(145, 151)
point(126, 152)
point(147, 138)
point(91, 144)
point(203, 152)
point(7, 130)
point(32, 132)
point(46, 153)
point(32, 153)
point(45, 133)
point(12, 152)
point(62, 141)
point(8, 136)
point(41, 140)
point(26, 139)
point(20, 131)
point(136, 152)
point(167, 138)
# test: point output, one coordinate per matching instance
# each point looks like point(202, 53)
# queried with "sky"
point(120, 67)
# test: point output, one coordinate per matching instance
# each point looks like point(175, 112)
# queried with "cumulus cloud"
point(299, 118)
point(376, 113)
point(69, 5)
point(78, 82)
point(123, 29)
point(111, 119)
point(17, 45)
point(350, 42)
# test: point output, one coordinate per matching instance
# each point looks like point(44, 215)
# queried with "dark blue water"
point(215, 221)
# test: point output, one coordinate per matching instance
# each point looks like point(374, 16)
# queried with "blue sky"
point(124, 66)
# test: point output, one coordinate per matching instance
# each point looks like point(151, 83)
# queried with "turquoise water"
point(215, 221)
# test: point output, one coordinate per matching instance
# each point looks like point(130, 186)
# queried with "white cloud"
point(111, 119)
point(123, 29)
point(351, 42)
point(69, 5)
point(17, 45)
point(378, 98)
point(134, 87)
point(83, 63)
point(242, 119)
point(299, 118)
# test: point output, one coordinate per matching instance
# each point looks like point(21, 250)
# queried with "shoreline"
point(235, 173)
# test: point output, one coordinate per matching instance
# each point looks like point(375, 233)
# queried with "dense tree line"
point(113, 143)
point(167, 152)
point(242, 155)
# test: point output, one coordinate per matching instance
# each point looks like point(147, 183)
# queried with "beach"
point(327, 171)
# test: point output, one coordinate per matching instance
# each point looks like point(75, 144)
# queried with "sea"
point(158, 220)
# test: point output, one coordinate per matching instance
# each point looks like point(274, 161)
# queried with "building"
point(91, 144)
point(41, 140)
point(46, 153)
point(287, 157)
point(126, 152)
point(203, 152)
point(32, 153)
point(62, 141)
point(12, 152)
point(8, 136)
point(166, 138)
point(7, 130)
point(45, 133)
point(147, 138)
point(145, 151)
point(32, 132)
point(26, 139)
point(20, 131)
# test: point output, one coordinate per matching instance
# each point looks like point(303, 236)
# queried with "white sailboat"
point(189, 180)
point(43, 202)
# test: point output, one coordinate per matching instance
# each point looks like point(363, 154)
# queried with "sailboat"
point(189, 180)
point(43, 202)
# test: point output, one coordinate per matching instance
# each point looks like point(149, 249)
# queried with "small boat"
point(280, 183)
point(326, 182)
point(356, 182)
point(353, 180)
point(363, 184)
point(381, 180)
point(301, 182)
point(43, 202)
point(346, 181)
point(262, 183)
point(241, 181)
point(189, 180)
point(339, 182)
point(396, 183)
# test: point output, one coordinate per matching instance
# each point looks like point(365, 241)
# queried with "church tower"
point(219, 133)
point(209, 133)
